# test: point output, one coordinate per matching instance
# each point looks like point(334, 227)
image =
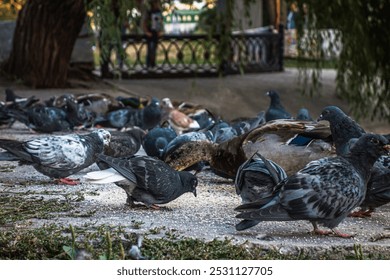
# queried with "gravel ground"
point(209, 215)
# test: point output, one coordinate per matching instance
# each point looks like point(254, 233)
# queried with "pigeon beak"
point(319, 118)
point(387, 148)
point(194, 192)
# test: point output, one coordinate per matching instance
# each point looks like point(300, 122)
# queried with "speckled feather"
point(257, 178)
point(345, 132)
point(145, 118)
point(325, 191)
point(59, 156)
point(125, 143)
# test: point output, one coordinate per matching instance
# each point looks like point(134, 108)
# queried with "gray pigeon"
point(275, 110)
point(157, 139)
point(345, 132)
point(145, 179)
point(41, 118)
point(325, 191)
point(303, 115)
point(145, 118)
point(343, 128)
point(125, 143)
point(256, 178)
point(57, 156)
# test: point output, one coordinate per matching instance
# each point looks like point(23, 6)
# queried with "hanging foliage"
point(361, 27)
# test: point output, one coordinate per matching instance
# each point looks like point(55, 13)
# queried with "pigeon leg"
point(130, 201)
point(68, 181)
point(341, 234)
point(332, 232)
point(361, 213)
point(155, 207)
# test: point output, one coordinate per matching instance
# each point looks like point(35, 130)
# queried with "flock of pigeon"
point(284, 168)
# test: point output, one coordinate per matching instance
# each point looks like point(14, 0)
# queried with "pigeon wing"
point(58, 152)
point(325, 189)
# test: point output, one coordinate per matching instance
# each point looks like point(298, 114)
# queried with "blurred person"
point(152, 26)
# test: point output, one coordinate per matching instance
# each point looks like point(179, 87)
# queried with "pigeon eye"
point(374, 140)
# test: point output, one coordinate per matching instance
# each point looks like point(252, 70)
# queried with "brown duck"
point(271, 140)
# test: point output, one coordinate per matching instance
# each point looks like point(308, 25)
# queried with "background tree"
point(43, 41)
point(363, 65)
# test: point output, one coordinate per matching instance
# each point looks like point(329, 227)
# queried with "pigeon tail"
point(104, 176)
point(245, 224)
point(272, 213)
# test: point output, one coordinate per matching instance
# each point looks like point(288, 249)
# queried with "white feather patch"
point(104, 176)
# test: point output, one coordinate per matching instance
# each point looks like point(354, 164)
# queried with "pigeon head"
point(155, 102)
point(331, 113)
point(189, 180)
point(304, 115)
point(104, 135)
point(273, 95)
point(372, 146)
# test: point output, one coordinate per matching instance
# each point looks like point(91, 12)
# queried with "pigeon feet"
point(68, 181)
point(361, 213)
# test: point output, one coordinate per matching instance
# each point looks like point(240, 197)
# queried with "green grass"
point(105, 242)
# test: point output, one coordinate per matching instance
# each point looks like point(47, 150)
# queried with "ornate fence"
point(195, 55)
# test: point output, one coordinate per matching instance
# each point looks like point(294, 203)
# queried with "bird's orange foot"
point(68, 181)
point(155, 207)
point(361, 214)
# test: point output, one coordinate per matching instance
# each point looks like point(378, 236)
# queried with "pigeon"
point(41, 118)
point(269, 139)
point(343, 128)
point(193, 136)
point(59, 101)
point(244, 125)
point(303, 115)
point(325, 191)
point(255, 179)
point(345, 132)
point(14, 101)
point(203, 117)
point(134, 102)
point(145, 179)
point(156, 140)
point(275, 110)
point(98, 104)
point(145, 118)
point(224, 134)
point(77, 115)
point(179, 121)
point(57, 156)
point(125, 143)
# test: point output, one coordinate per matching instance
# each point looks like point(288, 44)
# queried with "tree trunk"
point(45, 34)
point(271, 10)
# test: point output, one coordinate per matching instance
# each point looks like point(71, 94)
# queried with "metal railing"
point(195, 55)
